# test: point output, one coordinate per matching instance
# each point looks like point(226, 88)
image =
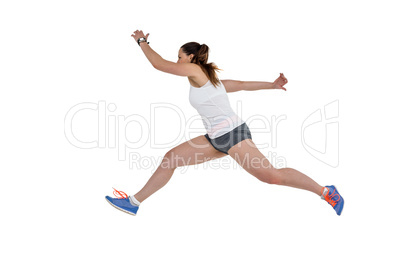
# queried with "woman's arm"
point(235, 85)
point(182, 69)
point(154, 58)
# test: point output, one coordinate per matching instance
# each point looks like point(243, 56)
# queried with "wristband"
point(142, 39)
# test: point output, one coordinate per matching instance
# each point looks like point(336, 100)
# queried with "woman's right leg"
point(195, 151)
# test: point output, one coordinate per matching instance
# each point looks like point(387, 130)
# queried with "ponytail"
point(201, 58)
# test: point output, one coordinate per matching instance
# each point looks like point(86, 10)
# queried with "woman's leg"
point(192, 152)
point(254, 162)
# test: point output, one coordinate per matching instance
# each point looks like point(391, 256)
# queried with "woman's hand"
point(138, 34)
point(280, 82)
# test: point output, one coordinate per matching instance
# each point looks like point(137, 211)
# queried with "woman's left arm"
point(182, 69)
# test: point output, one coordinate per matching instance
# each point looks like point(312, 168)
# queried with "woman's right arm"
point(235, 85)
point(232, 85)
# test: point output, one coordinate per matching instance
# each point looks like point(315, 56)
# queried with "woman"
point(227, 134)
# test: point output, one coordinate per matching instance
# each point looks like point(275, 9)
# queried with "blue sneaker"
point(332, 196)
point(123, 204)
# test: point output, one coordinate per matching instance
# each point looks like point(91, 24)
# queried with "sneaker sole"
point(343, 201)
point(128, 212)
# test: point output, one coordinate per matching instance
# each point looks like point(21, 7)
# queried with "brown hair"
point(201, 58)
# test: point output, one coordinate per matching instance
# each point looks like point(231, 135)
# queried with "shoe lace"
point(331, 198)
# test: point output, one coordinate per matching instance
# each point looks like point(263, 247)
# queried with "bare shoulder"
point(181, 69)
point(199, 78)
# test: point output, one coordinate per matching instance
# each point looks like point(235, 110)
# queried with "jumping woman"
point(227, 133)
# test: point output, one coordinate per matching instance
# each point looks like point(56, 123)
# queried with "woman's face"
point(183, 58)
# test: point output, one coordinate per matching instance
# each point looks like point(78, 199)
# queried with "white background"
point(56, 54)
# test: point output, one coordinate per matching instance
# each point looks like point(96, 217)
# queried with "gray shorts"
point(226, 141)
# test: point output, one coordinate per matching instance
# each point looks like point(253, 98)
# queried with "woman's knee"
point(270, 175)
point(170, 160)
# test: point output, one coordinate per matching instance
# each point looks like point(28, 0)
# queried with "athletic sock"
point(324, 192)
point(134, 201)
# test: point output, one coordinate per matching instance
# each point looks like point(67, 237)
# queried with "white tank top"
point(213, 105)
